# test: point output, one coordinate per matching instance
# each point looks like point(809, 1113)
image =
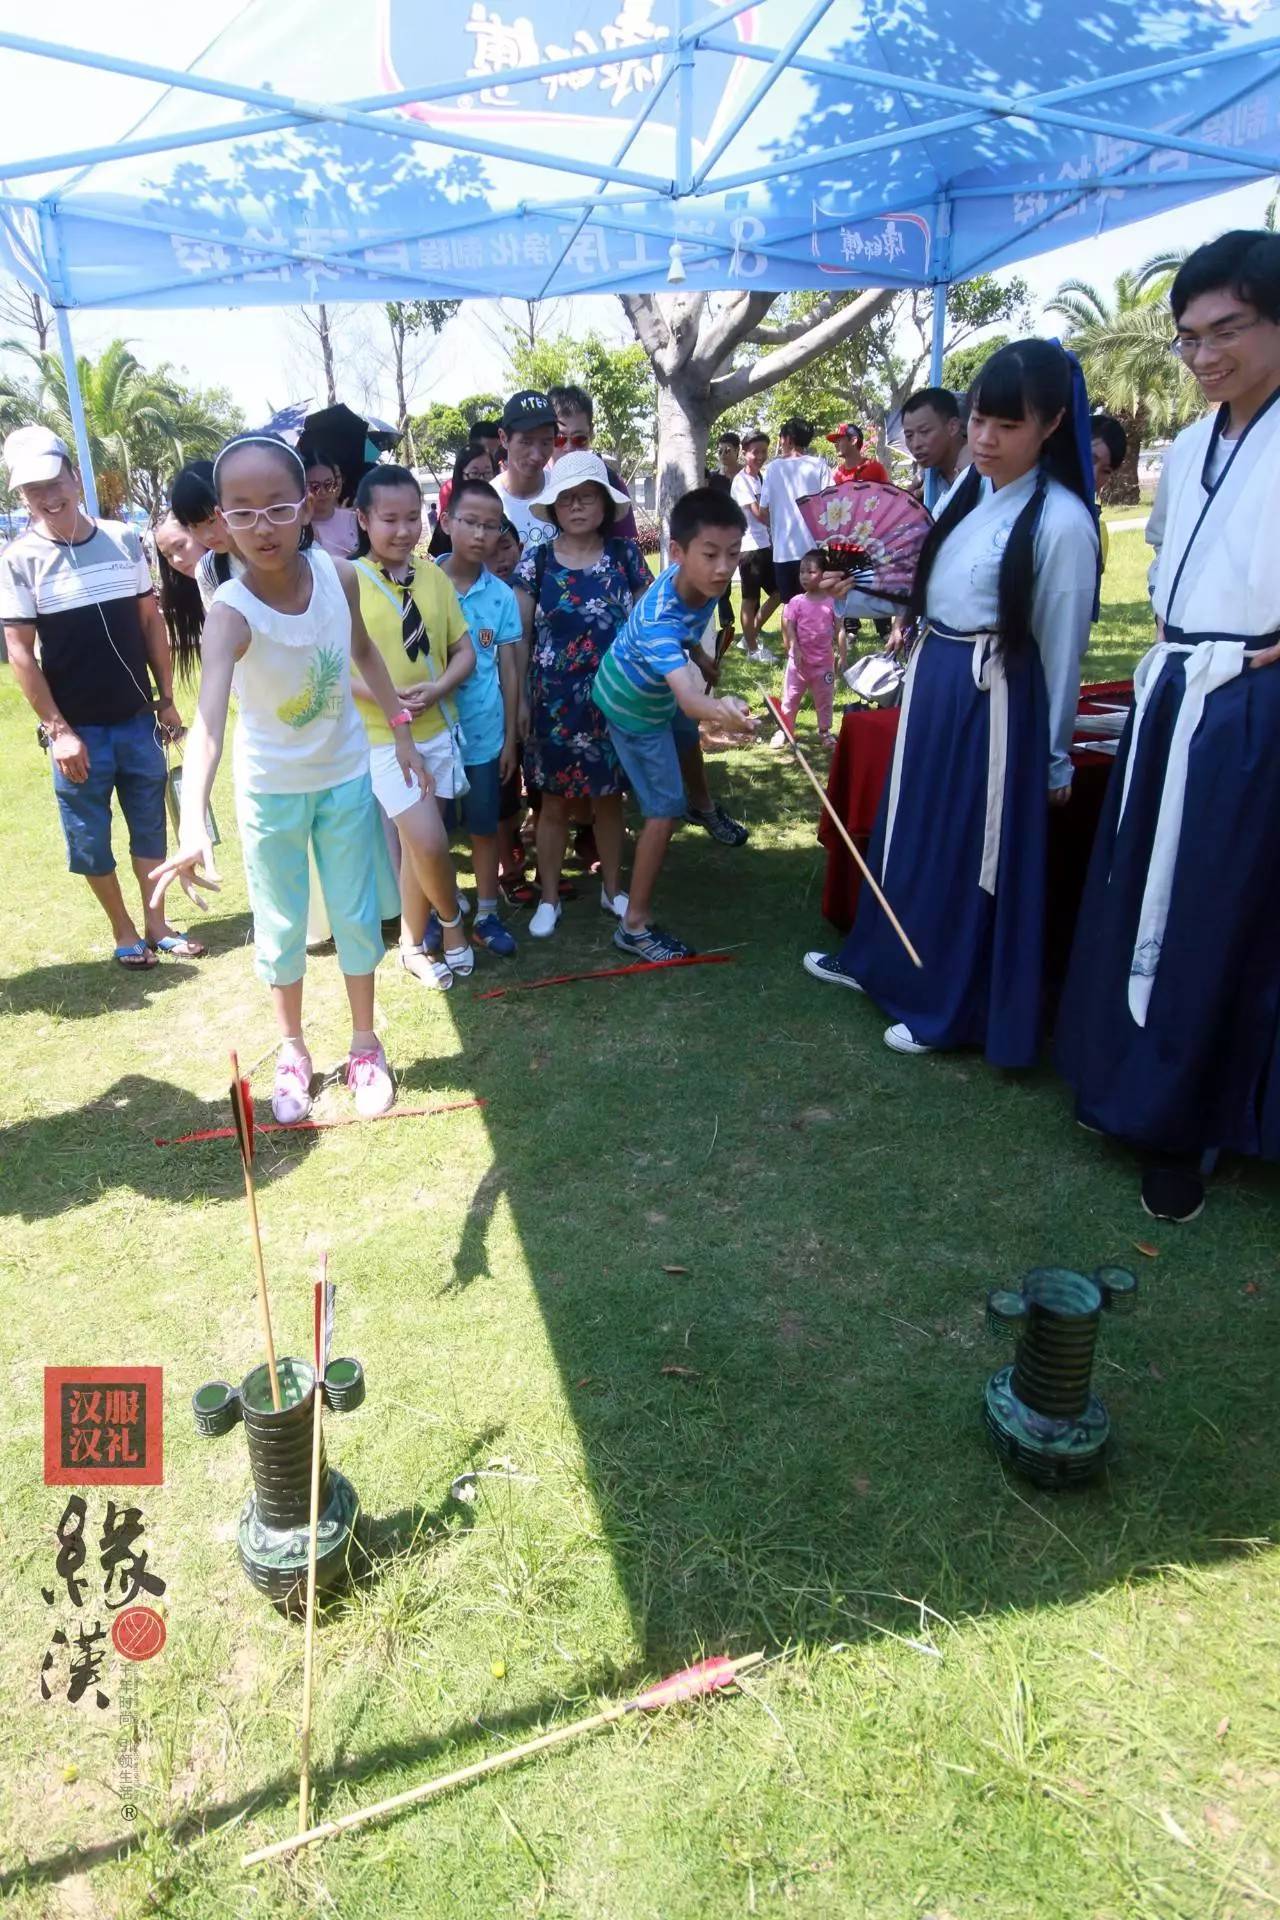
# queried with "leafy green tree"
point(439, 431)
point(141, 425)
point(1122, 342)
point(960, 369)
point(443, 428)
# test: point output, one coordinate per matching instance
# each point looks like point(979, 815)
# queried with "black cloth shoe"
point(1172, 1193)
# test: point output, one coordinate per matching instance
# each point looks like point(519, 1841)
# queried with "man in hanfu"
point(1169, 1032)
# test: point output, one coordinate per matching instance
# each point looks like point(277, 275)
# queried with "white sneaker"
point(545, 919)
point(901, 1040)
point(766, 654)
point(371, 1083)
point(291, 1095)
point(616, 906)
point(778, 740)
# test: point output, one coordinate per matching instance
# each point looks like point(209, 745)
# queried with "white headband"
point(260, 440)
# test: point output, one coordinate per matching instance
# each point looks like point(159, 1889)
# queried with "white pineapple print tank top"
point(298, 729)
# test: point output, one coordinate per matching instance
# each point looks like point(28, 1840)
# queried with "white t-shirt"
point(298, 729)
point(519, 512)
point(785, 481)
point(746, 491)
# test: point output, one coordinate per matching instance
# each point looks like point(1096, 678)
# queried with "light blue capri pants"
point(275, 829)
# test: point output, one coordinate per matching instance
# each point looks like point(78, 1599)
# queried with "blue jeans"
point(125, 759)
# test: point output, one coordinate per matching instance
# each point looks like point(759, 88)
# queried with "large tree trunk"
point(684, 421)
point(326, 354)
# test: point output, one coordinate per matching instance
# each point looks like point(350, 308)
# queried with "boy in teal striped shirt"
point(646, 679)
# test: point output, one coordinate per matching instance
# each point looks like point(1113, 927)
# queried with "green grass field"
point(701, 1286)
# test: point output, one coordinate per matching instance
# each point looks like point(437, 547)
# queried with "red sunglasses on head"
point(579, 441)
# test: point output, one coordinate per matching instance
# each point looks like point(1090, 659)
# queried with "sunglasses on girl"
point(322, 486)
point(282, 513)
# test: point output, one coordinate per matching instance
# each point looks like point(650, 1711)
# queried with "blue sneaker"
point(826, 966)
point(433, 938)
point(652, 944)
point(489, 932)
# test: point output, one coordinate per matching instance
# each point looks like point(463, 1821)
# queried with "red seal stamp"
point(138, 1633)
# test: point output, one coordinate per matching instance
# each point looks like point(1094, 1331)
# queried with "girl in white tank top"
point(283, 636)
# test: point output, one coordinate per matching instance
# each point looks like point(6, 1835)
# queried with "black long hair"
point(379, 476)
point(1026, 377)
point(183, 611)
point(192, 501)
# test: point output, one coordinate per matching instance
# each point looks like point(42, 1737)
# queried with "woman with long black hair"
point(1005, 591)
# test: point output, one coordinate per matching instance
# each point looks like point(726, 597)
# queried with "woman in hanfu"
point(1169, 1033)
point(1005, 590)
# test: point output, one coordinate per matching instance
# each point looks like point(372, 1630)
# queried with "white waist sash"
point(1210, 664)
point(989, 678)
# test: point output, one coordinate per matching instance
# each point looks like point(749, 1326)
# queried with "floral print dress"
point(577, 613)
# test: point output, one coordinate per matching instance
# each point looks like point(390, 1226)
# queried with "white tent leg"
point(76, 403)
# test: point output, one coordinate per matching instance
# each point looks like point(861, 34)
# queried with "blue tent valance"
point(387, 149)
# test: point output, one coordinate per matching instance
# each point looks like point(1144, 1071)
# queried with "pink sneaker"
point(291, 1097)
point(370, 1081)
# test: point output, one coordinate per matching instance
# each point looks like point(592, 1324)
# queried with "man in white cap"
point(87, 643)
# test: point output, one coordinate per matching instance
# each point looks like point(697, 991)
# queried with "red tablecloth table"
point(860, 766)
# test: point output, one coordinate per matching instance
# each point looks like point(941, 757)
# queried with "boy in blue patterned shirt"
point(647, 676)
point(488, 699)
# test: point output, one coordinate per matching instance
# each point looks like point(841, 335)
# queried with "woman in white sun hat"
point(575, 591)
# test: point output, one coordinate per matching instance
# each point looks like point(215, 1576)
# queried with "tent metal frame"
point(620, 193)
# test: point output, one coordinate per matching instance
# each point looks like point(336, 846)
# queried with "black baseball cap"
point(525, 411)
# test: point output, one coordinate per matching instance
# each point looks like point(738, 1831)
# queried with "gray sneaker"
point(652, 944)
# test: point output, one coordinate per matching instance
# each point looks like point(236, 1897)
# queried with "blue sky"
point(258, 353)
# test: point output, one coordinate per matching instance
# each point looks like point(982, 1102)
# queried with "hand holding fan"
point(870, 530)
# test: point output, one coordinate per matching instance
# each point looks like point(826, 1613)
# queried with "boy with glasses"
point(488, 699)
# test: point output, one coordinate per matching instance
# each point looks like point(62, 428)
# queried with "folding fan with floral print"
point(870, 530)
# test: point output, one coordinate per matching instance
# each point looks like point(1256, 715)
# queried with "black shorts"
point(786, 579)
point(755, 571)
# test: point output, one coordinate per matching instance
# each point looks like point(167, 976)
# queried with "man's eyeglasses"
point(1188, 345)
point(322, 486)
point(282, 513)
point(475, 526)
point(578, 441)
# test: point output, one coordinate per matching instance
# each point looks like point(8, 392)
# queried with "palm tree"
point(126, 410)
point(1122, 343)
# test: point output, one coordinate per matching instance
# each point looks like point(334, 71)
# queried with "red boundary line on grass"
point(612, 973)
point(320, 1126)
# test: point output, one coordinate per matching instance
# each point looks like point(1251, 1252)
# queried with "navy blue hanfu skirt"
point(980, 985)
point(1204, 1071)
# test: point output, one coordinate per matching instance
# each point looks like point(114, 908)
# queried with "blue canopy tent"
point(551, 147)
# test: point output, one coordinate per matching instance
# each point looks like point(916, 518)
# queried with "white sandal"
point(441, 973)
point(459, 960)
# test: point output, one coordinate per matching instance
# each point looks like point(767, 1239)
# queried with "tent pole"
point(76, 403)
point(938, 337)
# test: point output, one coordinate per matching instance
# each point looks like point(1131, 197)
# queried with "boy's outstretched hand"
point(738, 714)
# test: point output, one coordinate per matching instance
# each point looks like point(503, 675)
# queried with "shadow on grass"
point(85, 989)
point(762, 1244)
point(56, 1162)
point(450, 1746)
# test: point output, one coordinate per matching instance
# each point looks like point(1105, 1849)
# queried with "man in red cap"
point(847, 441)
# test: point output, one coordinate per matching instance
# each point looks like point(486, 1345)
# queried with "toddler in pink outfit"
point(812, 631)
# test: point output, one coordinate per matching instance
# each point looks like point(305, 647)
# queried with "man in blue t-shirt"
point(647, 679)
